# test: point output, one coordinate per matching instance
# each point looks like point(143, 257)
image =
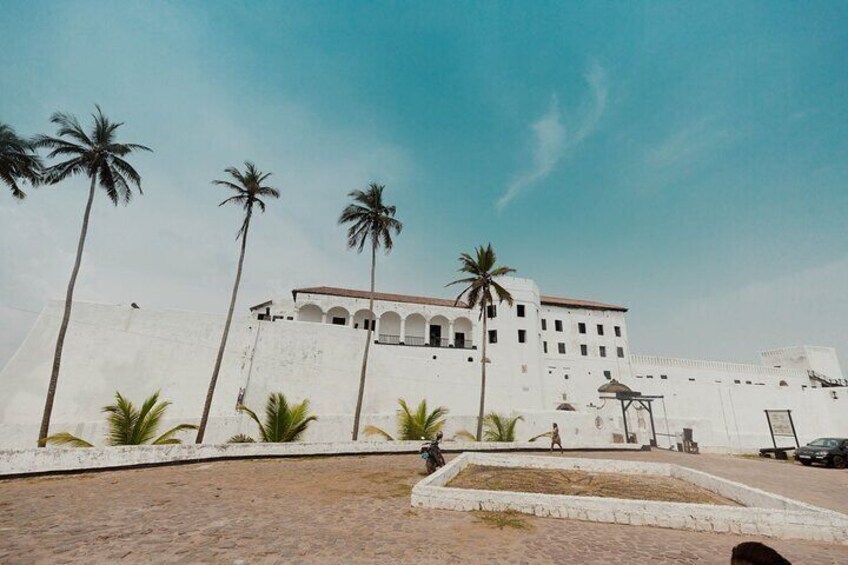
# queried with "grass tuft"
point(501, 520)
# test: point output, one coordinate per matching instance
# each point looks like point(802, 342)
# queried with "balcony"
point(418, 341)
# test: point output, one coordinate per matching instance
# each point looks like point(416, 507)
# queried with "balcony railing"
point(389, 339)
point(418, 341)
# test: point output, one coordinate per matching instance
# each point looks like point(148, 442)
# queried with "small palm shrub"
point(129, 425)
point(496, 427)
point(283, 423)
point(413, 425)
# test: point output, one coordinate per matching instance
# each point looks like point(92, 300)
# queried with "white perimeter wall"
point(139, 351)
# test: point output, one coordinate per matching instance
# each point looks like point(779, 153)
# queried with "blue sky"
point(687, 160)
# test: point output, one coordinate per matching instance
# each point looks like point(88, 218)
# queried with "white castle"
point(550, 359)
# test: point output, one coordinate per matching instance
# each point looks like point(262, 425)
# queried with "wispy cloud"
point(688, 145)
point(551, 139)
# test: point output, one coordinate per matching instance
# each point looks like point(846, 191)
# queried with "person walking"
point(555, 440)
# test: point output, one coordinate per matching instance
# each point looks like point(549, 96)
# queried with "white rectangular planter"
point(762, 513)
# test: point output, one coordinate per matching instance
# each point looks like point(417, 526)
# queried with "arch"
point(338, 316)
point(309, 313)
point(415, 329)
point(389, 326)
point(439, 330)
point(361, 316)
point(462, 330)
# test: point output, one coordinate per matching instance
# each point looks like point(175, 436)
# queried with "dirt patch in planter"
point(582, 483)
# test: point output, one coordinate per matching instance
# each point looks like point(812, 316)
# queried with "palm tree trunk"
point(370, 324)
point(66, 318)
point(482, 376)
point(201, 430)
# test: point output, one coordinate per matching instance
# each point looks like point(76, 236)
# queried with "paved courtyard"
point(351, 510)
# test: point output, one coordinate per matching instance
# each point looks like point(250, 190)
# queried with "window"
point(691, 380)
point(339, 321)
point(617, 331)
point(558, 325)
point(491, 311)
point(737, 382)
point(600, 329)
point(545, 346)
point(581, 327)
point(522, 336)
point(584, 350)
point(603, 351)
point(565, 376)
point(520, 310)
point(493, 336)
point(607, 375)
point(664, 377)
point(544, 324)
point(649, 376)
point(561, 348)
point(620, 352)
point(638, 376)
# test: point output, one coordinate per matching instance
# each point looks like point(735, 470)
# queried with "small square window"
point(545, 346)
point(519, 310)
point(664, 377)
point(584, 350)
point(522, 336)
point(600, 329)
point(581, 327)
point(561, 348)
point(617, 331)
point(607, 375)
point(603, 351)
point(558, 325)
point(691, 380)
point(620, 352)
point(565, 376)
point(649, 376)
point(737, 382)
point(493, 336)
point(491, 311)
point(544, 324)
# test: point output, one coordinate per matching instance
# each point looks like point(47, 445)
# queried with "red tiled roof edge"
point(384, 296)
point(576, 303)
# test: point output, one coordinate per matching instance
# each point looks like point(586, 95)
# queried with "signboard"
point(781, 425)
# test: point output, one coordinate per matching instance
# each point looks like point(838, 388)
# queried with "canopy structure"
point(627, 397)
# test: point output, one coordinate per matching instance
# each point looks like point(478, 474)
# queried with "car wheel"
point(838, 461)
point(806, 463)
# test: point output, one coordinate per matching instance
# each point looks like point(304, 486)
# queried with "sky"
point(687, 160)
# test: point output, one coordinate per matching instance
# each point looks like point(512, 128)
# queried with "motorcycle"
point(432, 455)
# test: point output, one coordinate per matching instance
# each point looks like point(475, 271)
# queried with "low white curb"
point(15, 462)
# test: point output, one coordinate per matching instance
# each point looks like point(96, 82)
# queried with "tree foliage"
point(283, 423)
point(414, 424)
point(129, 425)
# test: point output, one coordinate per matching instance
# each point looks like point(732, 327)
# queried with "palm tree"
point(500, 427)
point(283, 423)
point(496, 427)
point(101, 158)
point(371, 221)
point(478, 292)
point(419, 424)
point(18, 161)
point(249, 191)
point(129, 425)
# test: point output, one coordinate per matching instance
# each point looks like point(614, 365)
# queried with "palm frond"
point(420, 423)
point(283, 422)
point(241, 438)
point(65, 438)
point(167, 437)
point(464, 435)
point(375, 431)
point(546, 434)
point(371, 221)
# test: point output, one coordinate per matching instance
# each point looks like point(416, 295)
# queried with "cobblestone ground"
point(349, 510)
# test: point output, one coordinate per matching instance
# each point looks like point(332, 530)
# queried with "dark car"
point(831, 451)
